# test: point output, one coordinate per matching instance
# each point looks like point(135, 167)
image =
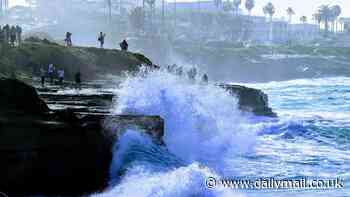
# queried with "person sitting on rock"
point(78, 80)
point(101, 39)
point(61, 76)
point(205, 79)
point(124, 45)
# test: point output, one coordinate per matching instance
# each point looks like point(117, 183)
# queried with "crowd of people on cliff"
point(11, 34)
point(52, 73)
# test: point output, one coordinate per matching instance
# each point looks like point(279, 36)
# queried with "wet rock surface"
point(61, 152)
point(251, 100)
point(58, 140)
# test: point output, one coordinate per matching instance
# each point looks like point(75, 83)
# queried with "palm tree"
point(227, 6)
point(269, 9)
point(290, 13)
point(249, 5)
point(317, 18)
point(175, 15)
point(109, 5)
point(163, 12)
point(218, 3)
point(336, 10)
point(303, 19)
point(1, 8)
point(236, 4)
point(325, 13)
point(137, 19)
point(151, 4)
point(4, 5)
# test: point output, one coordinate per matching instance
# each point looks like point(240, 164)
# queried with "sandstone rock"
point(251, 100)
point(16, 95)
point(45, 152)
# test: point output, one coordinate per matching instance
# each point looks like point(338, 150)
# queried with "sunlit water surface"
point(207, 136)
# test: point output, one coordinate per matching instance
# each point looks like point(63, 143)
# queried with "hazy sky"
point(301, 7)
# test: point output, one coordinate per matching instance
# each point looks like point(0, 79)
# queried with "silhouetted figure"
point(205, 78)
point(61, 76)
point(7, 33)
point(172, 68)
point(101, 39)
point(13, 35)
point(78, 80)
point(2, 35)
point(19, 34)
point(51, 71)
point(124, 45)
point(179, 71)
point(192, 73)
point(42, 76)
point(68, 39)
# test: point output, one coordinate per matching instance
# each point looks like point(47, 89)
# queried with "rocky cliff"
point(251, 100)
point(91, 62)
point(68, 151)
point(57, 152)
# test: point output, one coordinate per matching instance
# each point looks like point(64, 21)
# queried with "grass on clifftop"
point(32, 54)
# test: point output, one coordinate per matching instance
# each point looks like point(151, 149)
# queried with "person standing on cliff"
point(13, 35)
point(68, 39)
point(192, 73)
point(78, 80)
point(2, 35)
point(7, 33)
point(42, 76)
point(101, 39)
point(51, 71)
point(19, 34)
point(61, 76)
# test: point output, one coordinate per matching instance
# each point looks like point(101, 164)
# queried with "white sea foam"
point(203, 127)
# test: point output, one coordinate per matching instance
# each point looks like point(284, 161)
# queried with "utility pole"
point(163, 13)
point(175, 15)
point(200, 33)
point(120, 7)
point(6, 5)
point(109, 7)
point(1, 8)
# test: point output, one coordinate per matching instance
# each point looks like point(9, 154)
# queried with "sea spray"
point(203, 126)
point(291, 146)
point(201, 121)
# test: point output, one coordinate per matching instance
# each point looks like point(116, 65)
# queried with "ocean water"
point(206, 135)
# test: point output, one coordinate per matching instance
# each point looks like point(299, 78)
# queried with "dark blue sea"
point(207, 136)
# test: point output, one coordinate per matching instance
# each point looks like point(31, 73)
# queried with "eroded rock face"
point(56, 152)
point(21, 97)
point(67, 151)
point(251, 100)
